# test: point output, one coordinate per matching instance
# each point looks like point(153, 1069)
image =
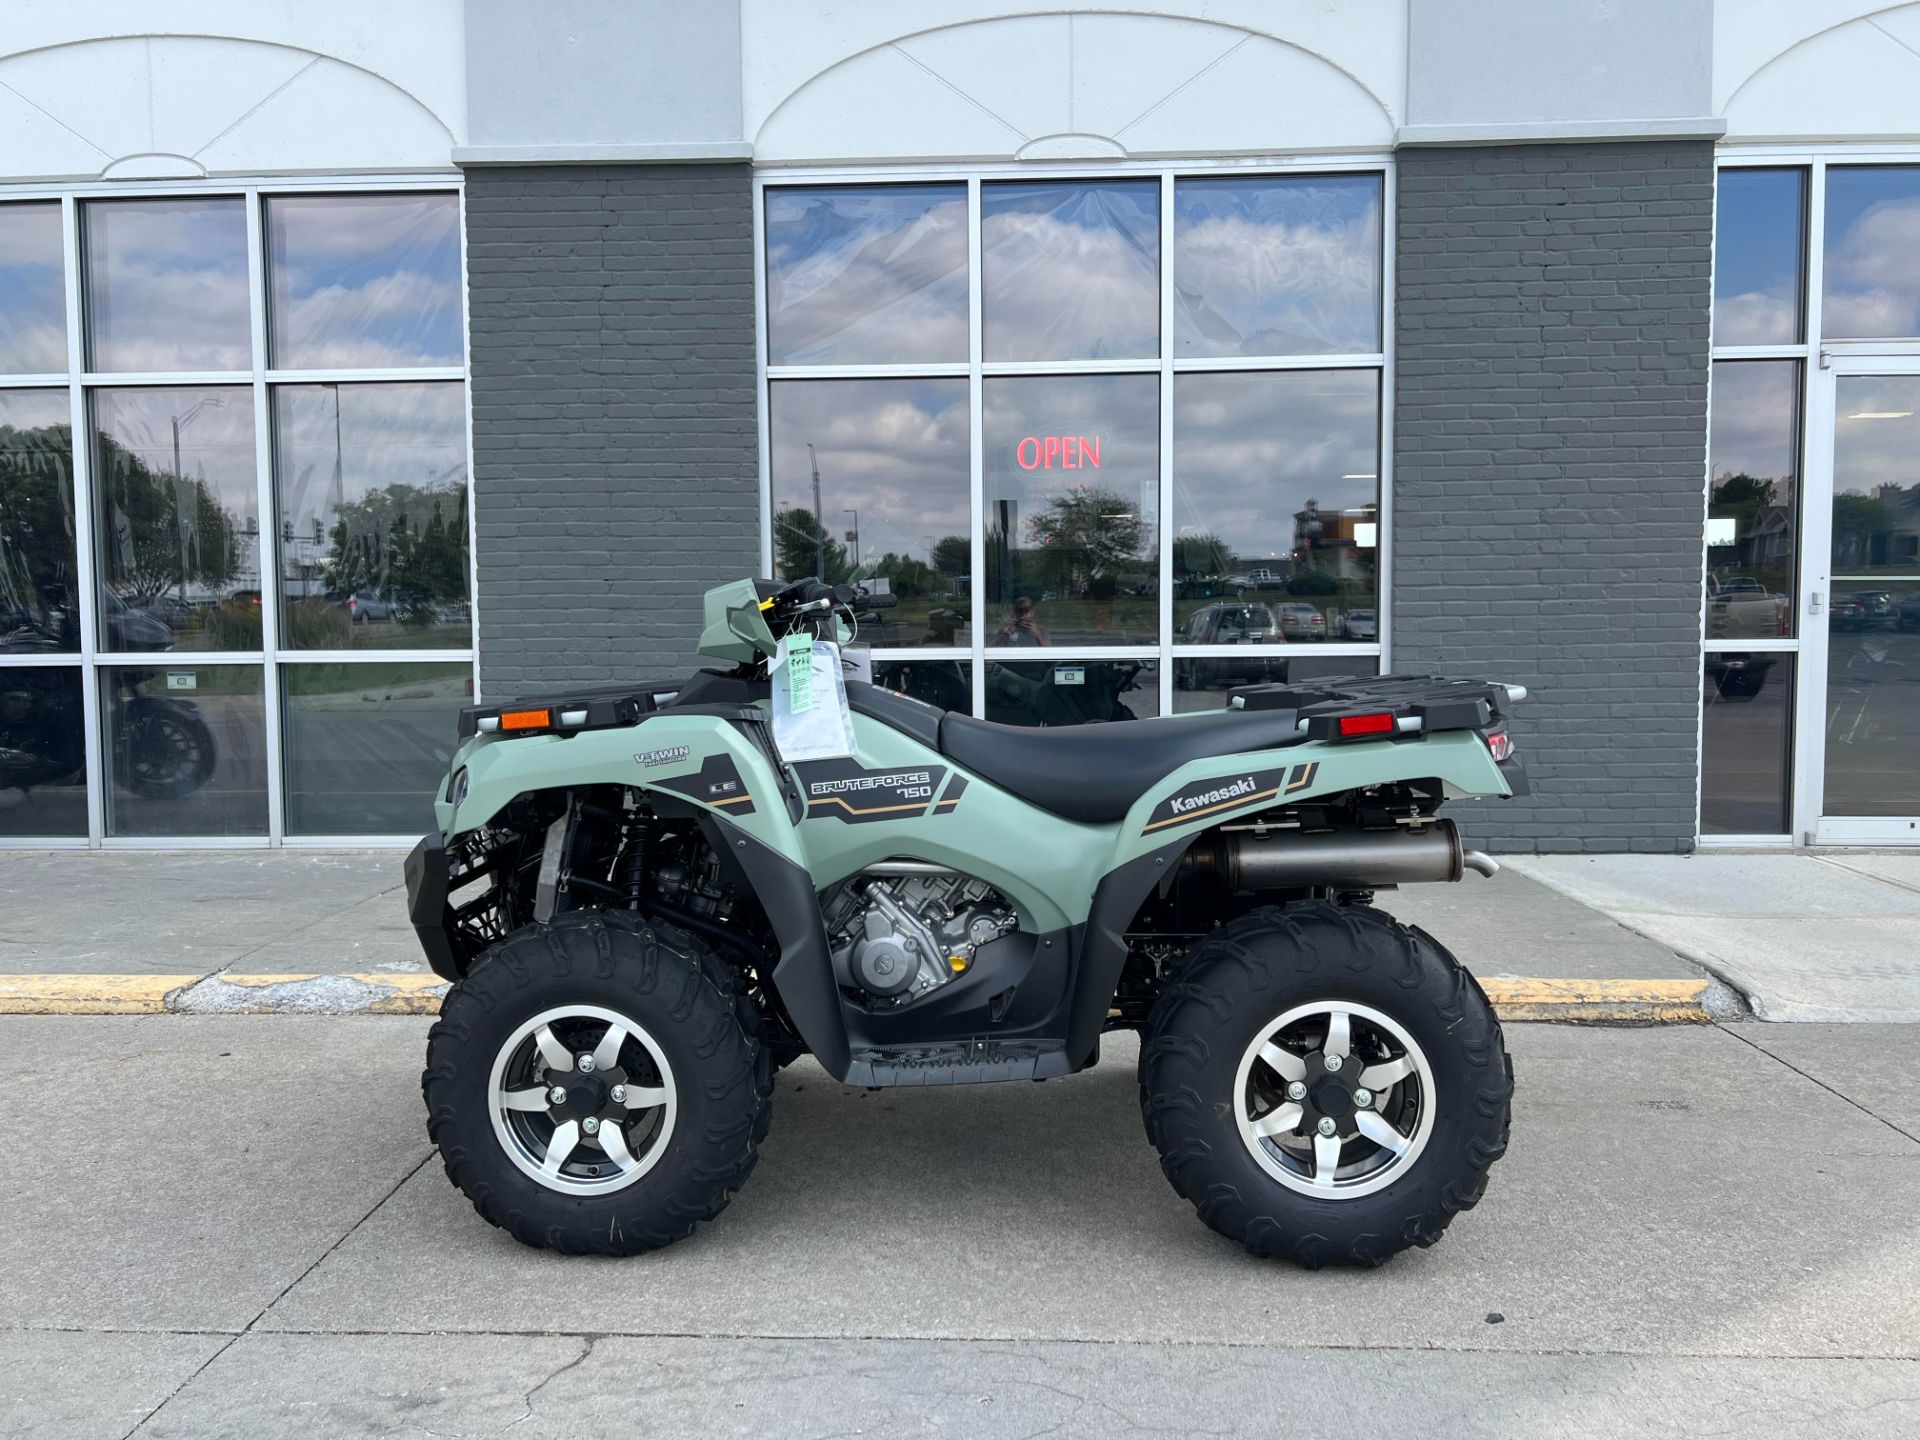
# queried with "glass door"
point(1860, 715)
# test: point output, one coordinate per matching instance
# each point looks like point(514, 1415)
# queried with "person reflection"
point(1021, 627)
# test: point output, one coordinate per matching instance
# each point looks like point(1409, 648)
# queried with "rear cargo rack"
point(1372, 707)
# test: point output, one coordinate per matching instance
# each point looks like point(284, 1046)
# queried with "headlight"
point(457, 787)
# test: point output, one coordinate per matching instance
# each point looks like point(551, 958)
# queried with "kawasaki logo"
point(1183, 804)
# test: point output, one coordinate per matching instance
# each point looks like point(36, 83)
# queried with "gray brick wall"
point(1549, 459)
point(614, 436)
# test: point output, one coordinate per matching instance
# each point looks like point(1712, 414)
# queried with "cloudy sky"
point(1250, 449)
point(1070, 271)
point(33, 324)
point(365, 280)
point(877, 274)
point(1871, 287)
point(895, 450)
point(867, 274)
point(168, 284)
point(1282, 266)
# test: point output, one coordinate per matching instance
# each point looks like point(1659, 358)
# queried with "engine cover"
point(897, 937)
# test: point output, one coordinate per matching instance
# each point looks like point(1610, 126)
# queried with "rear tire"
point(691, 1068)
point(1230, 1048)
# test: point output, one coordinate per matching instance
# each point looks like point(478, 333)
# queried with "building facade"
point(355, 360)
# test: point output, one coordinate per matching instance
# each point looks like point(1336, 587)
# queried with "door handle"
point(1813, 602)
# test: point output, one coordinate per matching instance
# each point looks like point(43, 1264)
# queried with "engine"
point(898, 937)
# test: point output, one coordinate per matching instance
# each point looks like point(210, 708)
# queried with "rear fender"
point(1170, 816)
point(1202, 794)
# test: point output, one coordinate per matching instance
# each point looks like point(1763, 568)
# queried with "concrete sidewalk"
point(1796, 936)
point(1830, 936)
point(1696, 1230)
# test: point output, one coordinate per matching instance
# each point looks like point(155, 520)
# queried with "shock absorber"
point(630, 874)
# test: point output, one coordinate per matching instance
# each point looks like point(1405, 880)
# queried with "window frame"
point(257, 379)
point(976, 369)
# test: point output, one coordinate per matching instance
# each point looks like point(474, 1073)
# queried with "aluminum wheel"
point(582, 1099)
point(1334, 1100)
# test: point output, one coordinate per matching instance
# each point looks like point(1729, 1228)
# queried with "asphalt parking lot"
point(233, 1226)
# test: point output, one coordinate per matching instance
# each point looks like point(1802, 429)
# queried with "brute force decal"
point(1209, 799)
point(717, 783)
point(853, 794)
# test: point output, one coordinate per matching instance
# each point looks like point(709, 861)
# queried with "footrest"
point(962, 1062)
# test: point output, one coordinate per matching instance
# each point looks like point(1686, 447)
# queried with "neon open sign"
point(1058, 452)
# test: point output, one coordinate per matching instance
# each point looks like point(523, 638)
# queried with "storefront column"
point(1550, 423)
point(614, 433)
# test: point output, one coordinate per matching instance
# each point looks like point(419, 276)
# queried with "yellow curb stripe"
point(1596, 1002)
point(88, 994)
point(1599, 1002)
point(396, 993)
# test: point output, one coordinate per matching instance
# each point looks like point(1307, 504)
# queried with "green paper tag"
point(796, 655)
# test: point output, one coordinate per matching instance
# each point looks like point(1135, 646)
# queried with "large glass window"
point(43, 752)
point(1759, 257)
point(1753, 454)
point(1871, 285)
point(1072, 509)
point(1071, 270)
point(1277, 265)
point(364, 281)
point(33, 299)
point(39, 589)
point(257, 546)
point(367, 744)
point(1276, 499)
point(869, 478)
point(179, 519)
point(187, 747)
point(372, 489)
point(866, 274)
point(1029, 457)
point(167, 285)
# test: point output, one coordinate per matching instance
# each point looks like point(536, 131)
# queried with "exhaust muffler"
point(1358, 859)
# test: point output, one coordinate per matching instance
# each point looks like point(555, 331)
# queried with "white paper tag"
point(810, 717)
point(183, 680)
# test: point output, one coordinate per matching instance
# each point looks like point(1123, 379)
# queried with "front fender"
point(704, 759)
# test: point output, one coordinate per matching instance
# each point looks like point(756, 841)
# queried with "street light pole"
point(180, 422)
point(856, 537)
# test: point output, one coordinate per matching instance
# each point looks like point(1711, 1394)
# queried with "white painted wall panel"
point(230, 87)
point(973, 80)
point(1817, 69)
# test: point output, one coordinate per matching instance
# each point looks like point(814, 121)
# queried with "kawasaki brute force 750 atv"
point(646, 910)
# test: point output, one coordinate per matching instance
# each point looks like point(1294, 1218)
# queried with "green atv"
point(645, 912)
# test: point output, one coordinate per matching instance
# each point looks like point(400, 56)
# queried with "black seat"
point(1094, 773)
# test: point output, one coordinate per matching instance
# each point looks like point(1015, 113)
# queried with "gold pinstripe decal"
point(1239, 802)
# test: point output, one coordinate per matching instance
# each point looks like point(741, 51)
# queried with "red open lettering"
point(1068, 452)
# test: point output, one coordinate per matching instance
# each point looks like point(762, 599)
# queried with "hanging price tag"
point(810, 716)
point(796, 666)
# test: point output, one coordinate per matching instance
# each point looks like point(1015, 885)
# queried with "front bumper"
point(427, 905)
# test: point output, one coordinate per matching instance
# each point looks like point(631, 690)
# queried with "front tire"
point(597, 1085)
point(1325, 1085)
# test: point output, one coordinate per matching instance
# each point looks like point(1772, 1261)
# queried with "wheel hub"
point(1334, 1099)
point(586, 1095)
point(1330, 1097)
point(584, 1100)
